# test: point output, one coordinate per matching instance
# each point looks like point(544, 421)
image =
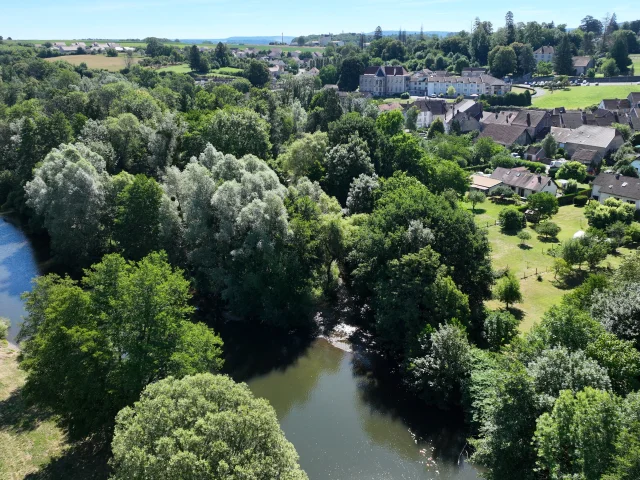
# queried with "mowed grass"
point(506, 252)
point(636, 63)
point(182, 68)
point(28, 440)
point(113, 64)
point(582, 97)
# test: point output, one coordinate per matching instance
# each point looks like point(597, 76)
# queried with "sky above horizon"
point(190, 19)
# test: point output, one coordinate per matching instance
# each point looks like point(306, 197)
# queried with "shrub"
point(4, 328)
point(405, 96)
point(500, 327)
point(524, 236)
point(633, 232)
point(571, 187)
point(580, 200)
point(511, 219)
point(548, 229)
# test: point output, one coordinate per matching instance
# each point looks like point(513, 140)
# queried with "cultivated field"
point(113, 64)
point(582, 97)
point(538, 296)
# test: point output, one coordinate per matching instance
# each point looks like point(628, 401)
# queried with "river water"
point(346, 422)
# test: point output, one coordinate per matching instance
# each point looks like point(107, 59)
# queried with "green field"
point(538, 296)
point(582, 97)
point(113, 64)
point(636, 63)
point(182, 68)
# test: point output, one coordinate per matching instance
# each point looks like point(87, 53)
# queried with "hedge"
point(569, 199)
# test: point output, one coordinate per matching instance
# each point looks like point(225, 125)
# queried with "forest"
point(167, 203)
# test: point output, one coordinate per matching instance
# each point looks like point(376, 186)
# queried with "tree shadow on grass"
point(571, 281)
point(516, 312)
point(85, 460)
point(479, 211)
point(19, 415)
point(544, 239)
point(524, 246)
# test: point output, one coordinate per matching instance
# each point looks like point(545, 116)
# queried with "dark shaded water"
point(345, 418)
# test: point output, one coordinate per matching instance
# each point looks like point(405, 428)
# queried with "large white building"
point(384, 81)
point(427, 83)
point(544, 54)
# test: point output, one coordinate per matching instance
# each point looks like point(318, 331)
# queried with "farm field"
point(582, 97)
point(538, 296)
point(220, 72)
point(113, 64)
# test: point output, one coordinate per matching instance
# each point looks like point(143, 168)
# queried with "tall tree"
point(563, 58)
point(510, 27)
point(620, 53)
point(195, 58)
point(350, 71)
point(377, 35)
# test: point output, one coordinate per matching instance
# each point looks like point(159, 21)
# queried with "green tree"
point(4, 328)
point(573, 252)
point(475, 197)
point(238, 131)
point(626, 461)
point(548, 229)
point(329, 75)
point(229, 431)
point(350, 71)
point(545, 203)
point(344, 163)
point(390, 123)
point(195, 58)
point(411, 122)
point(572, 170)
point(544, 68)
point(257, 73)
point(523, 236)
point(89, 349)
point(436, 127)
point(361, 196)
point(621, 360)
point(377, 35)
point(500, 327)
point(507, 290)
point(451, 91)
point(221, 54)
point(502, 61)
point(511, 219)
point(578, 436)
point(550, 146)
point(305, 157)
point(618, 311)
point(609, 68)
point(563, 59)
point(620, 53)
point(137, 222)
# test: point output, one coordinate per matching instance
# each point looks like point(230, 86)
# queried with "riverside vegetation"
point(264, 207)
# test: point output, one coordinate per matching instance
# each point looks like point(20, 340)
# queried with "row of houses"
point(467, 113)
point(393, 80)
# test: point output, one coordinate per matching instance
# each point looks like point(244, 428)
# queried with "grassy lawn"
point(27, 440)
point(581, 97)
point(113, 64)
point(182, 68)
point(538, 296)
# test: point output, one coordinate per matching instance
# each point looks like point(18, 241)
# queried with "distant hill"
point(235, 40)
point(391, 33)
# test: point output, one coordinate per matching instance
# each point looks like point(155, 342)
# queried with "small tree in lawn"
point(549, 230)
point(524, 236)
point(508, 290)
point(545, 203)
point(511, 219)
point(476, 196)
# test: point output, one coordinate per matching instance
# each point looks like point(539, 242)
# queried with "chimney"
point(528, 119)
point(617, 176)
point(539, 178)
point(584, 117)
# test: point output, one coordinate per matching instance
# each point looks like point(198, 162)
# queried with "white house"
point(626, 189)
point(427, 83)
point(544, 54)
point(600, 139)
point(523, 182)
point(484, 184)
point(384, 81)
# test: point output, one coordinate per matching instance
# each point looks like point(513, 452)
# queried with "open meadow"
point(112, 64)
point(636, 63)
point(506, 252)
point(582, 97)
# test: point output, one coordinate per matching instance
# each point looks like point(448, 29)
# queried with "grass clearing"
point(636, 63)
point(582, 97)
point(506, 252)
point(113, 64)
point(182, 68)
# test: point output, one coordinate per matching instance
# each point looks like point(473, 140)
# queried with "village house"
point(427, 83)
point(600, 117)
point(428, 110)
point(582, 64)
point(601, 139)
point(506, 135)
point(484, 184)
point(626, 189)
point(537, 122)
point(384, 81)
point(523, 182)
point(534, 153)
point(544, 54)
point(473, 71)
point(588, 157)
point(466, 113)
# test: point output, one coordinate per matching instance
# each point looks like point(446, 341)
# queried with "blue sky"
point(67, 19)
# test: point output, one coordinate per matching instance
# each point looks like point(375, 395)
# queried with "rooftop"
point(618, 185)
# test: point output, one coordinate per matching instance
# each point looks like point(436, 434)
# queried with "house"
point(626, 189)
point(484, 184)
point(313, 72)
point(275, 71)
point(428, 110)
point(390, 107)
point(499, 118)
point(616, 104)
point(582, 64)
point(275, 53)
point(324, 40)
point(544, 54)
point(383, 81)
point(534, 154)
point(428, 83)
point(506, 135)
point(589, 157)
point(634, 99)
point(601, 139)
point(600, 118)
point(537, 122)
point(523, 182)
point(467, 113)
point(473, 71)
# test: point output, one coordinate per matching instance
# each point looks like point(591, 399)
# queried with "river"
point(345, 421)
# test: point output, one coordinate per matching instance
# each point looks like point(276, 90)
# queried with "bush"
point(4, 328)
point(580, 200)
point(405, 96)
point(511, 219)
point(633, 232)
point(500, 327)
point(548, 229)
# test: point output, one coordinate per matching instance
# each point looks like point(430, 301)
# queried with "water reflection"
point(348, 423)
point(18, 266)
